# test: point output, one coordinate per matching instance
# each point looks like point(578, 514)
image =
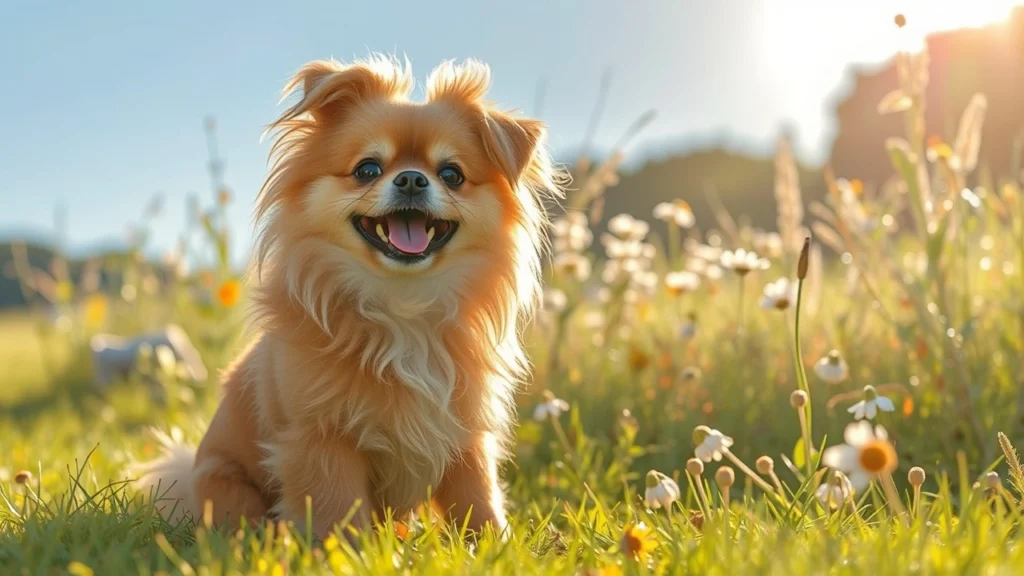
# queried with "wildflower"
point(552, 407)
point(871, 404)
point(555, 300)
point(229, 293)
point(780, 294)
point(628, 421)
point(224, 196)
point(677, 212)
point(765, 465)
point(742, 262)
point(574, 264)
point(661, 490)
point(798, 399)
point(637, 541)
point(992, 480)
point(769, 243)
point(690, 373)
point(23, 477)
point(866, 454)
point(835, 492)
point(900, 20)
point(916, 476)
point(725, 477)
point(832, 368)
point(710, 444)
point(95, 310)
point(713, 272)
point(681, 282)
point(695, 467)
point(628, 228)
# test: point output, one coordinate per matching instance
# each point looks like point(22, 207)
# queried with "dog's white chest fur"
point(412, 436)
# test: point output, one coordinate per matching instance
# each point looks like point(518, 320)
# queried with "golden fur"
point(372, 383)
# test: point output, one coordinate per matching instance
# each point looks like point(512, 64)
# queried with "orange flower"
point(95, 310)
point(908, 406)
point(224, 196)
point(229, 293)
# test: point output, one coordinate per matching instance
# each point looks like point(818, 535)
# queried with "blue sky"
point(104, 102)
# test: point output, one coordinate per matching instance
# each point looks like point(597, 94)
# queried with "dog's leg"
point(331, 471)
point(230, 491)
point(470, 487)
point(227, 468)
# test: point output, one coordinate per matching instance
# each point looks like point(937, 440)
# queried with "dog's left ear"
point(511, 143)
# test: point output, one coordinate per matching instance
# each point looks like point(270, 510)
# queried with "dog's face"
point(408, 186)
point(407, 189)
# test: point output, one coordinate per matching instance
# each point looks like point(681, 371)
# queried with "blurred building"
point(989, 60)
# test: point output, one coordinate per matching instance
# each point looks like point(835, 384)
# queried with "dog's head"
point(376, 196)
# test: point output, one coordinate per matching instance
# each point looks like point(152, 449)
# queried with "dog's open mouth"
point(405, 235)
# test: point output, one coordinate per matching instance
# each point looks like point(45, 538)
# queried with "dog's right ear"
point(329, 87)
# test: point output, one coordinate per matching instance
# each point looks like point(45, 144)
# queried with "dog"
point(398, 253)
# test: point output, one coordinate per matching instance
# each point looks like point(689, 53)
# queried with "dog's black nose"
point(411, 183)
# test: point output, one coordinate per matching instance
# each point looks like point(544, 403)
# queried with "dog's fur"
point(373, 384)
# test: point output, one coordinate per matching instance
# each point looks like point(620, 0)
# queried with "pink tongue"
point(409, 236)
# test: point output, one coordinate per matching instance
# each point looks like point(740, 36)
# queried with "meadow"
point(840, 395)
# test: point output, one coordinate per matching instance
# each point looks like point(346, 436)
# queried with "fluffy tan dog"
point(399, 251)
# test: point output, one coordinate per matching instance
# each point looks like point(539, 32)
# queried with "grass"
point(922, 305)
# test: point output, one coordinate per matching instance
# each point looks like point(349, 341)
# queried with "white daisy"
point(866, 454)
point(871, 404)
point(661, 491)
point(628, 228)
point(780, 294)
point(551, 407)
point(769, 243)
point(555, 300)
point(710, 443)
point(742, 262)
point(681, 282)
point(832, 368)
point(665, 211)
point(574, 264)
point(677, 212)
point(834, 493)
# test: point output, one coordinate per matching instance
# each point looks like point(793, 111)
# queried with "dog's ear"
point(511, 143)
point(329, 88)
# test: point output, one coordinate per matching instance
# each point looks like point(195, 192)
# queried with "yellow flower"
point(229, 293)
point(95, 310)
point(64, 291)
point(637, 541)
point(79, 569)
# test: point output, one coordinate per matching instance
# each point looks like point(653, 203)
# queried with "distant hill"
point(745, 184)
point(41, 257)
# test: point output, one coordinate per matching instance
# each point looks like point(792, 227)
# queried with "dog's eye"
point(451, 176)
point(368, 170)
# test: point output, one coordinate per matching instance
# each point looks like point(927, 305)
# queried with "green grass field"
point(652, 348)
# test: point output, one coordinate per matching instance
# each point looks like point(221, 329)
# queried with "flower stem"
point(805, 433)
point(753, 476)
point(702, 497)
point(889, 487)
point(562, 438)
point(801, 379)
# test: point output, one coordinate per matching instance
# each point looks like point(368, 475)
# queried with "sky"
point(104, 102)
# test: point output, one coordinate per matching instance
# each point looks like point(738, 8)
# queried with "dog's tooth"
point(430, 234)
point(380, 232)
